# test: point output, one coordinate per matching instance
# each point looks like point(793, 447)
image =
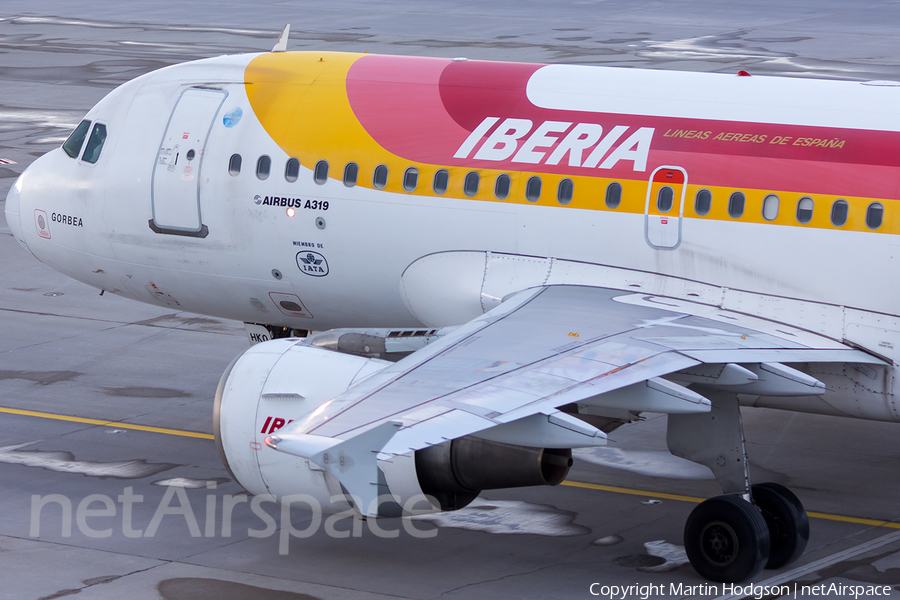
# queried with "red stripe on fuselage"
point(397, 101)
point(424, 109)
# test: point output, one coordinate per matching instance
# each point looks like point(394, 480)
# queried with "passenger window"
point(501, 187)
point(839, 211)
point(533, 189)
point(441, 181)
point(410, 179)
point(703, 202)
point(379, 177)
point(736, 205)
point(470, 185)
point(351, 174)
point(565, 191)
point(771, 204)
point(665, 199)
point(263, 166)
point(320, 172)
point(234, 165)
point(874, 215)
point(72, 145)
point(613, 194)
point(95, 144)
point(292, 170)
point(805, 210)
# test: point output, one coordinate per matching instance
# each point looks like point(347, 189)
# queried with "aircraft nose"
point(13, 209)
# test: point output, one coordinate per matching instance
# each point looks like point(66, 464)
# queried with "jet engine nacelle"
point(280, 382)
point(272, 385)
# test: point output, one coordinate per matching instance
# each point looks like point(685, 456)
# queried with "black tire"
point(726, 539)
point(787, 521)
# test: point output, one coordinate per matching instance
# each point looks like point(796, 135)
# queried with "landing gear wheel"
point(787, 522)
point(726, 539)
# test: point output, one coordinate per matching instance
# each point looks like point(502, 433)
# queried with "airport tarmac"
point(110, 485)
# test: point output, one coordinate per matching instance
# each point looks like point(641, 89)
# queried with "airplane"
point(461, 270)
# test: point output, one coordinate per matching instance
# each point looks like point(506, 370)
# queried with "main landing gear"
point(731, 538)
point(787, 522)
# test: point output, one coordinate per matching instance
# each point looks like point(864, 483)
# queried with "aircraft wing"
point(504, 375)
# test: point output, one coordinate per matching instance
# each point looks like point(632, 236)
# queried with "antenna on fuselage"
point(281, 44)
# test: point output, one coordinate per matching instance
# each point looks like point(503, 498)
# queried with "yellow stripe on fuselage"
point(301, 100)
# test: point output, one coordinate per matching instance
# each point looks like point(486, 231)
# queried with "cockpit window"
point(76, 139)
point(95, 144)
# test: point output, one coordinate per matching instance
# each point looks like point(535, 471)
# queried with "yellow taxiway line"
point(814, 515)
point(576, 484)
point(116, 424)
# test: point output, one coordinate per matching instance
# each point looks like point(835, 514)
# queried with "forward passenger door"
point(175, 188)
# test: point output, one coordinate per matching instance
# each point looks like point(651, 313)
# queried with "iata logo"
point(312, 263)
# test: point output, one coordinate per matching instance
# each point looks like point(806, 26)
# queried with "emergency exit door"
point(664, 208)
point(175, 188)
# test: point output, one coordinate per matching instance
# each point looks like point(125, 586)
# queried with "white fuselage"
point(251, 258)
